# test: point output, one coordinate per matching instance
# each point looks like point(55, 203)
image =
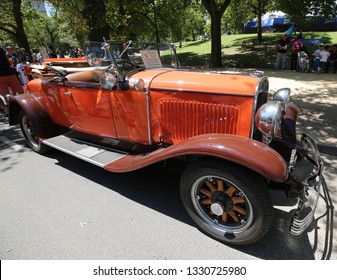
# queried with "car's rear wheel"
point(229, 203)
point(28, 131)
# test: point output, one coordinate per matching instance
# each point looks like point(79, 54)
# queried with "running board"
point(96, 155)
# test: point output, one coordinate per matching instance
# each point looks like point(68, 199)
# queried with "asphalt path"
point(58, 207)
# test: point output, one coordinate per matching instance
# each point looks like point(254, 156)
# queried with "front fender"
point(244, 151)
point(42, 123)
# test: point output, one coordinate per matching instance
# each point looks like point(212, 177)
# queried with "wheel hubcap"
point(217, 208)
point(221, 203)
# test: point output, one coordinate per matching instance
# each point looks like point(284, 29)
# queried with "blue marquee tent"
point(282, 24)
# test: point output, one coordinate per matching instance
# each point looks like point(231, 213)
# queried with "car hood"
point(193, 81)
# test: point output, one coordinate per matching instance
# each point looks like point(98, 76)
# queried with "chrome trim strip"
point(148, 113)
point(256, 97)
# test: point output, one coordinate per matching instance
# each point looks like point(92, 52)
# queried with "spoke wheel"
point(28, 131)
point(227, 202)
point(222, 204)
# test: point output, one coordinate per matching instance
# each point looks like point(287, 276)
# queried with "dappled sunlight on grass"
point(243, 50)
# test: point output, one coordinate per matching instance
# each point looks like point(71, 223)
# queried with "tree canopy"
point(71, 23)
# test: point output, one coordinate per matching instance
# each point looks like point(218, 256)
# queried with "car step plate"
point(96, 155)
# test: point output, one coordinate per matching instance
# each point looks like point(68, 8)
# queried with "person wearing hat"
point(317, 57)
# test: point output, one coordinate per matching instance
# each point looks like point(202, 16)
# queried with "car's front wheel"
point(28, 131)
point(229, 203)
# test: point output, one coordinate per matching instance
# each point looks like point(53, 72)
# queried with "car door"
point(89, 109)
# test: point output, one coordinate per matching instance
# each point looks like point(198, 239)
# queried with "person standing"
point(9, 82)
point(281, 58)
point(51, 52)
point(11, 55)
point(21, 69)
point(72, 53)
point(39, 57)
point(297, 46)
point(60, 53)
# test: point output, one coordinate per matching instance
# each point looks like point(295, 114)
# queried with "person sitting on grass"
point(324, 60)
point(317, 57)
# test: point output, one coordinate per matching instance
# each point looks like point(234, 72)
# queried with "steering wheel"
point(126, 65)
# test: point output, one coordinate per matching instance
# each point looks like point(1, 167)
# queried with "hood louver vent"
point(185, 119)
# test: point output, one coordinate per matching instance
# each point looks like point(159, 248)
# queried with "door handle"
point(68, 93)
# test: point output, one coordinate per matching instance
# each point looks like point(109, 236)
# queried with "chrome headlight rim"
point(282, 95)
point(268, 119)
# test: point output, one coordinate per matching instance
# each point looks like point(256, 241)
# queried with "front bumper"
point(308, 170)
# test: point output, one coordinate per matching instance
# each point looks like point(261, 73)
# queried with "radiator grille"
point(184, 119)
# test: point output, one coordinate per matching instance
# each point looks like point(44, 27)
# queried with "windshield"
point(141, 55)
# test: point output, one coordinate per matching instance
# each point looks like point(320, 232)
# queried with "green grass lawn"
point(243, 50)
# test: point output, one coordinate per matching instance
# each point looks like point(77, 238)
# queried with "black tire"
point(227, 202)
point(33, 141)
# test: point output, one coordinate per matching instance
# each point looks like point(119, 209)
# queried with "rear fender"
point(244, 151)
point(42, 123)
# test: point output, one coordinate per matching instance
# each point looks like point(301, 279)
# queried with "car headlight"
point(268, 119)
point(283, 95)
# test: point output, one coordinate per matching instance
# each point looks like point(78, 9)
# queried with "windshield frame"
point(141, 55)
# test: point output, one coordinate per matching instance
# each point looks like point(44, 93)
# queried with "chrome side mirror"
point(108, 80)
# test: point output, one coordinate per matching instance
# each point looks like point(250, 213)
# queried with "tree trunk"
point(21, 37)
point(94, 12)
point(216, 56)
point(259, 25)
point(216, 9)
point(155, 22)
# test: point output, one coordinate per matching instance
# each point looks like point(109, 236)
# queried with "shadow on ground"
point(158, 188)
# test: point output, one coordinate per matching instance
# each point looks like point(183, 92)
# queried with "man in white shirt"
point(324, 59)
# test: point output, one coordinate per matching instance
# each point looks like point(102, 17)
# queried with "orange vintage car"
point(128, 106)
